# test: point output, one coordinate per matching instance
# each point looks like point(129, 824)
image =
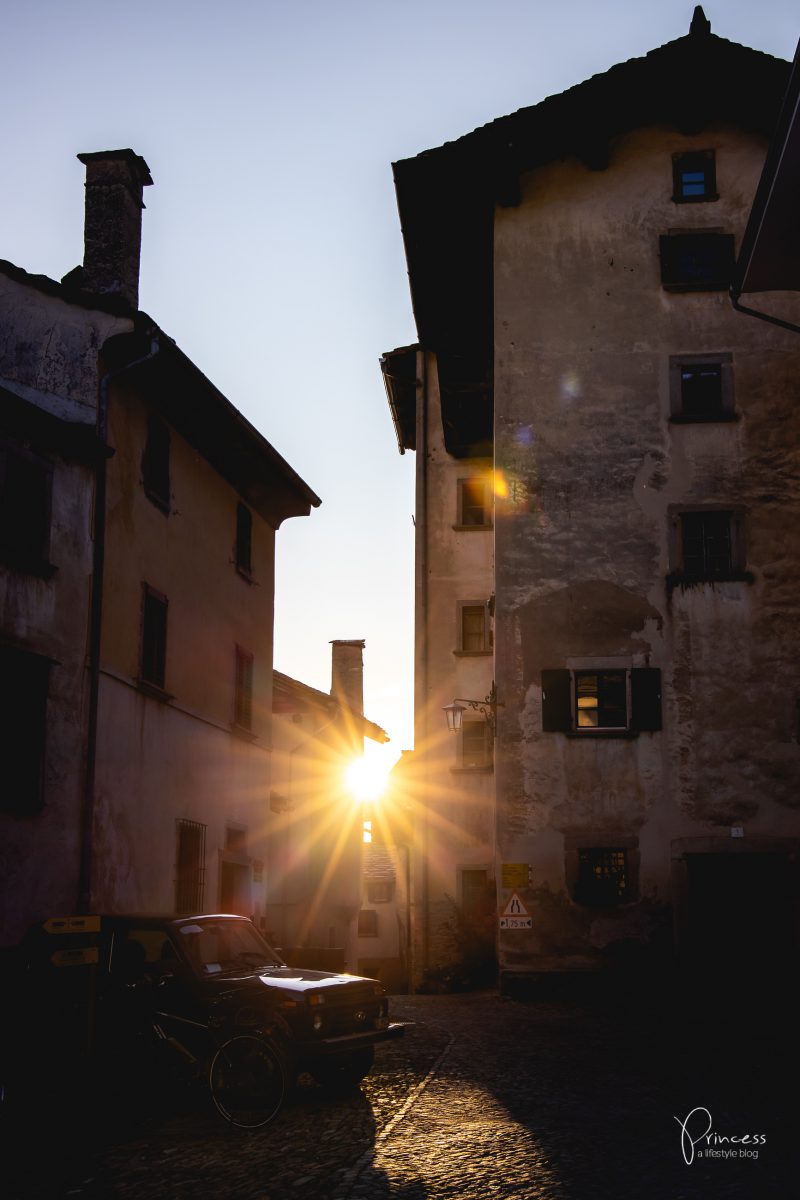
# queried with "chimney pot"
point(112, 236)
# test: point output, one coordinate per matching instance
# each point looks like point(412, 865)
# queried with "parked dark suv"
point(99, 979)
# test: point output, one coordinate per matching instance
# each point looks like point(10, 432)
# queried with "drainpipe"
point(86, 861)
point(762, 316)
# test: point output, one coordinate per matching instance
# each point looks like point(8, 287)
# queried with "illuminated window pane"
point(601, 699)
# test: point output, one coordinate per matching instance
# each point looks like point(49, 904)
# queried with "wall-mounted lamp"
point(488, 708)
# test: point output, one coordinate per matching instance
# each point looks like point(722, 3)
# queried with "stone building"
point(139, 511)
point(314, 858)
point(608, 506)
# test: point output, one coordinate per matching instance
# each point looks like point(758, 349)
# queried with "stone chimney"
point(347, 674)
point(112, 235)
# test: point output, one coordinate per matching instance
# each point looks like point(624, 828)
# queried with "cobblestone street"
point(484, 1097)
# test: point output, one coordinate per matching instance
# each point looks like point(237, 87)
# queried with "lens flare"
point(366, 778)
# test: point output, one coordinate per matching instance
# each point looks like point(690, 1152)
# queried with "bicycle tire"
point(247, 1081)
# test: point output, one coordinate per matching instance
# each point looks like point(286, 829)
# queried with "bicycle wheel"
point(247, 1081)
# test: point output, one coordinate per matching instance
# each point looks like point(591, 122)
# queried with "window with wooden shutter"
point(601, 701)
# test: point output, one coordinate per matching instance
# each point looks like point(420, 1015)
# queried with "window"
point(701, 387)
point(243, 690)
point(473, 504)
point(380, 891)
point(190, 866)
point(476, 745)
point(25, 495)
point(601, 701)
point(707, 545)
point(244, 538)
point(155, 463)
point(23, 725)
point(475, 632)
point(603, 878)
point(696, 261)
point(368, 923)
point(694, 177)
point(236, 839)
point(154, 637)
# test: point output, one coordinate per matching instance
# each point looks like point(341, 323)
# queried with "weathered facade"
point(314, 856)
point(139, 510)
point(645, 475)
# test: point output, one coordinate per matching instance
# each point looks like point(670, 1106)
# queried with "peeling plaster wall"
point(48, 356)
point(584, 332)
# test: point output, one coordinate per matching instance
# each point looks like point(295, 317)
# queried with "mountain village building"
point(608, 531)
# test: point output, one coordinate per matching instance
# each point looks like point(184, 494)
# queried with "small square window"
point(701, 387)
point(244, 539)
point(473, 503)
point(476, 745)
point(155, 463)
point(368, 923)
point(603, 877)
point(694, 177)
point(696, 261)
point(243, 690)
point(152, 664)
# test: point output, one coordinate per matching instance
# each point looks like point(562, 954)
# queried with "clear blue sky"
point(271, 246)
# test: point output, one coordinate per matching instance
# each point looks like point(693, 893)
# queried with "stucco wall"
point(454, 808)
point(584, 332)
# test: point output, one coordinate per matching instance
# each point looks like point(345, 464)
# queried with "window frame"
point(243, 689)
point(157, 462)
point(243, 546)
point(368, 925)
point(679, 414)
point(153, 601)
point(462, 507)
point(483, 761)
point(720, 251)
point(643, 692)
point(30, 559)
point(380, 891)
point(26, 678)
point(190, 883)
point(696, 160)
point(737, 572)
point(486, 632)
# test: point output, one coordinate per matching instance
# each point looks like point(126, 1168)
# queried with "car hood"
point(291, 979)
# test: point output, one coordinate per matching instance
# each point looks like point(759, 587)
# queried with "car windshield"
point(216, 946)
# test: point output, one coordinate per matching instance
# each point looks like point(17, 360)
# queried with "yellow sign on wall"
point(515, 875)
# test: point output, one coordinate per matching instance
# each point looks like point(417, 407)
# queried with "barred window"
point(603, 880)
point(243, 692)
point(190, 866)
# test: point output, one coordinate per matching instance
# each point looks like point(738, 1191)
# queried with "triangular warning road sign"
point(515, 907)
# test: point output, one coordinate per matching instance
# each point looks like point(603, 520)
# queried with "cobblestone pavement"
point(484, 1098)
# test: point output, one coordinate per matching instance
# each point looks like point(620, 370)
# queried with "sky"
point(271, 246)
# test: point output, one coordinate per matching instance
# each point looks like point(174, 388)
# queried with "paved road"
point(485, 1098)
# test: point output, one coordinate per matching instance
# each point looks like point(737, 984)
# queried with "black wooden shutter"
point(646, 698)
point(556, 702)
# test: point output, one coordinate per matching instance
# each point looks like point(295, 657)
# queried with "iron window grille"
point(190, 866)
point(696, 261)
point(603, 877)
point(707, 546)
point(243, 690)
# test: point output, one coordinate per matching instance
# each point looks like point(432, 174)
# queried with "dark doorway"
point(741, 935)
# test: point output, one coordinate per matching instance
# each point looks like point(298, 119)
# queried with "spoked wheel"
point(247, 1081)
